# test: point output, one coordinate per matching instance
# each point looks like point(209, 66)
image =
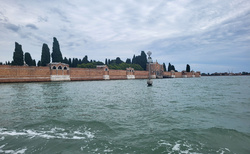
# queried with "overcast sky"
point(210, 35)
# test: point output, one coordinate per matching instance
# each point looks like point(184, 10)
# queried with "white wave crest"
point(179, 146)
point(53, 133)
point(18, 151)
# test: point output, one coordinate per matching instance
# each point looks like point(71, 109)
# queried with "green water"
point(185, 115)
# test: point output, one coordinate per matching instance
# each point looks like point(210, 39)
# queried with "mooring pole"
point(149, 82)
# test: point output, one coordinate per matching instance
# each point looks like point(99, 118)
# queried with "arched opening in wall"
point(60, 67)
point(106, 69)
point(65, 68)
point(54, 67)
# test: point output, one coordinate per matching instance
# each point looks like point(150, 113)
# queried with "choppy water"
point(191, 115)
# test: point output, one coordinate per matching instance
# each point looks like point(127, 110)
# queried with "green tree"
point(56, 52)
point(33, 62)
point(143, 60)
point(28, 59)
point(128, 61)
point(18, 55)
point(123, 66)
point(70, 62)
point(39, 63)
point(169, 67)
point(65, 60)
point(45, 57)
point(74, 62)
point(85, 59)
point(188, 68)
point(90, 65)
point(106, 61)
point(133, 60)
point(7, 63)
point(118, 60)
point(164, 67)
point(113, 61)
point(173, 68)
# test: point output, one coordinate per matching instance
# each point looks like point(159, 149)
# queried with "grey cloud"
point(3, 17)
point(32, 26)
point(60, 13)
point(42, 19)
point(12, 27)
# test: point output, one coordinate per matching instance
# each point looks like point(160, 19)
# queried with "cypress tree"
point(28, 59)
point(76, 61)
point(65, 60)
point(45, 57)
point(133, 60)
point(18, 55)
point(70, 62)
point(39, 63)
point(164, 67)
point(73, 62)
point(7, 63)
point(188, 68)
point(56, 52)
point(106, 61)
point(143, 60)
point(169, 67)
point(33, 62)
point(173, 68)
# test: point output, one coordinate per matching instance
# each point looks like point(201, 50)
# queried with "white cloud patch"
point(180, 32)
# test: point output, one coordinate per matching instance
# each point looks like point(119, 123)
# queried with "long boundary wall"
point(45, 74)
point(81, 74)
point(24, 74)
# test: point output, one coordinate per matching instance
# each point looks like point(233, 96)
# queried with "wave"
point(210, 140)
point(56, 129)
point(186, 147)
point(18, 151)
point(53, 133)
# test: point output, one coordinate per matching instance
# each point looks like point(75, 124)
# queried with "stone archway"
point(59, 72)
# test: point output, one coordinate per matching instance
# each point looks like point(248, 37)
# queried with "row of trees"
point(172, 68)
point(20, 59)
point(138, 62)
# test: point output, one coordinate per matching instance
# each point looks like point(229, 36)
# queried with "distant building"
point(156, 69)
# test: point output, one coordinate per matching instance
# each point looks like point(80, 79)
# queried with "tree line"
point(137, 62)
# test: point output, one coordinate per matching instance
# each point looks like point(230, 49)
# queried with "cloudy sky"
point(210, 35)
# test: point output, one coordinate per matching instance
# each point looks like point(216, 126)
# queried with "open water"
point(185, 115)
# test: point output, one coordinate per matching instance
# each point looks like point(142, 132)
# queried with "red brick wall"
point(35, 74)
point(117, 74)
point(167, 74)
point(85, 74)
point(24, 73)
point(197, 74)
point(141, 74)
